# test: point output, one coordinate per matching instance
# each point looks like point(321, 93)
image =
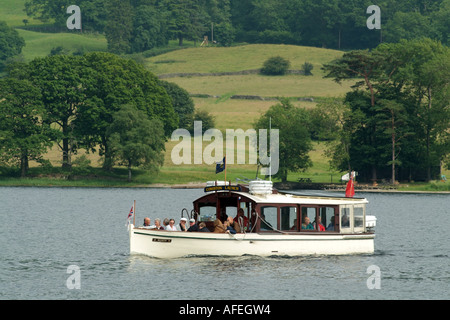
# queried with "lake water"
point(45, 230)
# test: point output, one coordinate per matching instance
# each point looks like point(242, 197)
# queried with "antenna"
point(270, 162)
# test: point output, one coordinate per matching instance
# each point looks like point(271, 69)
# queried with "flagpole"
point(134, 213)
point(270, 164)
point(225, 164)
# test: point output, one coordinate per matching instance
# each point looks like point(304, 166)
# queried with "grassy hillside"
point(12, 12)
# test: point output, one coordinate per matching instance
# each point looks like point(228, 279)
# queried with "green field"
point(229, 113)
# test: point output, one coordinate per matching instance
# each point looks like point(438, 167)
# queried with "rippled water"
point(45, 230)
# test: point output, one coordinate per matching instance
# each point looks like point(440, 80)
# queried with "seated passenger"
point(264, 224)
point(232, 226)
point(320, 226)
point(345, 221)
point(193, 226)
point(182, 225)
point(240, 216)
point(307, 225)
point(294, 227)
point(331, 225)
point(219, 227)
point(158, 225)
point(171, 226)
point(147, 223)
point(202, 227)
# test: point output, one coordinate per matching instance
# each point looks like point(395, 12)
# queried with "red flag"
point(350, 190)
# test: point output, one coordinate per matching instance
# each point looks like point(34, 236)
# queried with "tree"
point(393, 118)
point(294, 136)
point(207, 120)
point(119, 26)
point(93, 13)
point(357, 64)
point(334, 122)
point(187, 19)
point(149, 28)
point(119, 81)
point(136, 140)
point(64, 82)
point(182, 103)
point(23, 135)
point(11, 43)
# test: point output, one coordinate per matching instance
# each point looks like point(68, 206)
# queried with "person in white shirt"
point(171, 226)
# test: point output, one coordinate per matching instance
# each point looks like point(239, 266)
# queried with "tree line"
point(139, 25)
point(394, 124)
point(99, 102)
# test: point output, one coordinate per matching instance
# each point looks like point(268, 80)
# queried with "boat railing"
point(191, 215)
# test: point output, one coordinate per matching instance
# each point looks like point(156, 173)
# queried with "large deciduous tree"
point(118, 82)
point(23, 135)
point(135, 140)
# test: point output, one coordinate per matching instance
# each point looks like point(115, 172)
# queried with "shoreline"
point(277, 185)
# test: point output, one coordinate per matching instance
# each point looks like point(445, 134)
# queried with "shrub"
point(307, 68)
point(275, 66)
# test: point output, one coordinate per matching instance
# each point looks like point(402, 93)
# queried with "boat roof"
point(288, 198)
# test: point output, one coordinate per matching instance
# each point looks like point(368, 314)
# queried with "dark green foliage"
point(11, 43)
point(275, 66)
point(135, 140)
point(307, 68)
point(182, 103)
point(208, 121)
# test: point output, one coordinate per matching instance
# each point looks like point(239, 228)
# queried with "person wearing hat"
point(182, 225)
point(192, 226)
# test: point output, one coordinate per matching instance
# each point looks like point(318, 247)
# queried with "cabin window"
point(207, 213)
point(289, 218)
point(308, 218)
point(327, 219)
point(268, 218)
point(358, 217)
point(345, 217)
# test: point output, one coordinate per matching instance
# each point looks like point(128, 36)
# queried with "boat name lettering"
point(161, 240)
point(218, 188)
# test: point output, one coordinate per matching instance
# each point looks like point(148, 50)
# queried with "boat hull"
point(167, 244)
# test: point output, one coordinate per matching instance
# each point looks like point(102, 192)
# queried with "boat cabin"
point(269, 211)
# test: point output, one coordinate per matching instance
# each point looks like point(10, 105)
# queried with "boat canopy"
point(275, 211)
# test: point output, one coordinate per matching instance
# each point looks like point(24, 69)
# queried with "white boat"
point(275, 225)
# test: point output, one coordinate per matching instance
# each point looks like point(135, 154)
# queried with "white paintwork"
point(170, 244)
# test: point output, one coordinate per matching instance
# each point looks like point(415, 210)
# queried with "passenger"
point(233, 225)
point(240, 216)
point(307, 225)
point(294, 227)
point(202, 227)
point(193, 226)
point(331, 225)
point(158, 225)
point(345, 220)
point(147, 222)
point(165, 223)
point(171, 226)
point(182, 225)
point(320, 226)
point(229, 229)
point(219, 227)
point(264, 224)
